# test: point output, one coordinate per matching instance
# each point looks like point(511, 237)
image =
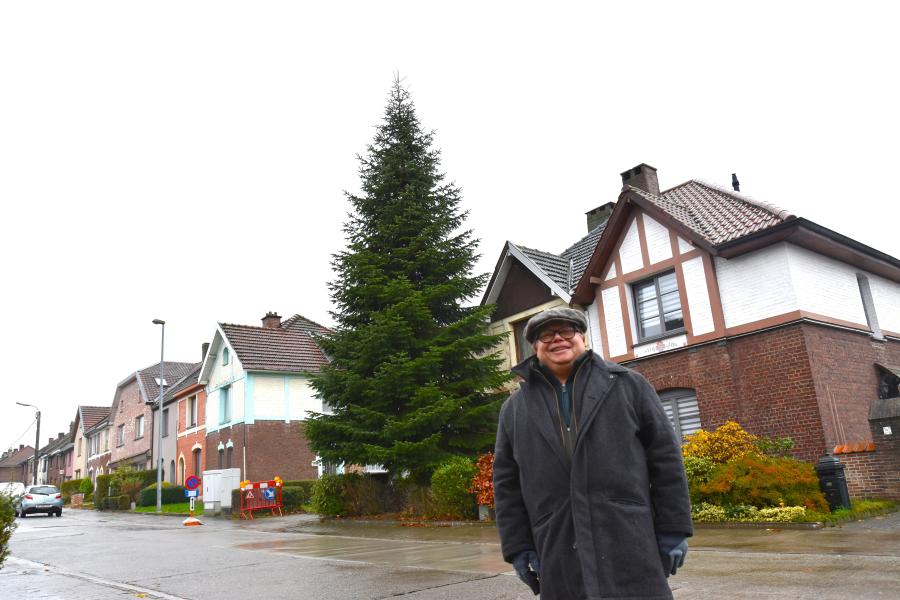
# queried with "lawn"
point(181, 508)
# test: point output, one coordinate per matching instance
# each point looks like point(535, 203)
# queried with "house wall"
point(272, 448)
point(876, 474)
point(169, 441)
point(232, 376)
point(79, 453)
point(133, 451)
point(507, 347)
point(886, 297)
point(190, 437)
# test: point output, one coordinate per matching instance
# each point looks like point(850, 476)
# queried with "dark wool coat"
point(592, 518)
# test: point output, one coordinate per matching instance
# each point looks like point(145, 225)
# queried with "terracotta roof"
point(183, 383)
point(289, 348)
point(173, 371)
point(716, 215)
point(91, 415)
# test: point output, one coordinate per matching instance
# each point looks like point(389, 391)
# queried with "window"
point(224, 404)
point(197, 468)
point(228, 455)
point(165, 422)
point(79, 446)
point(192, 411)
point(120, 435)
point(523, 348)
point(682, 409)
point(172, 472)
point(221, 458)
point(658, 306)
point(224, 356)
point(105, 440)
point(139, 427)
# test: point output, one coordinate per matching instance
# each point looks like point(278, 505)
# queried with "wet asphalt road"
point(90, 555)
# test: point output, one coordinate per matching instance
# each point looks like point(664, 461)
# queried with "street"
point(92, 555)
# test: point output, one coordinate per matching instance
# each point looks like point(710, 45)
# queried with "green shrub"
point(293, 498)
point(73, 486)
point(122, 502)
point(416, 500)
point(763, 481)
point(775, 447)
point(171, 494)
point(304, 488)
point(698, 471)
point(7, 525)
point(327, 499)
point(450, 485)
point(129, 482)
point(86, 487)
point(88, 498)
point(102, 491)
point(363, 494)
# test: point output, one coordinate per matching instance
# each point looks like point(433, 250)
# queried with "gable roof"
point(15, 458)
point(267, 349)
point(182, 384)
point(172, 371)
point(727, 224)
point(560, 272)
point(91, 415)
point(714, 214)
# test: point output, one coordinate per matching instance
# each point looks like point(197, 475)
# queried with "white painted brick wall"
point(302, 398)
point(697, 296)
point(755, 286)
point(683, 246)
point(595, 338)
point(825, 286)
point(630, 252)
point(268, 397)
point(615, 326)
point(659, 246)
point(612, 271)
point(886, 297)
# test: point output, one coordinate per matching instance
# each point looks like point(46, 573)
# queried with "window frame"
point(674, 396)
point(192, 411)
point(164, 423)
point(224, 405)
point(139, 427)
point(519, 343)
point(120, 435)
point(641, 338)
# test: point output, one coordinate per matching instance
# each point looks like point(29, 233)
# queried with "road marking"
point(24, 562)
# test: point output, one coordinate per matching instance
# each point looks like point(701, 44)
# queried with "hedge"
point(67, 488)
point(170, 495)
point(114, 503)
point(450, 485)
point(306, 487)
point(102, 491)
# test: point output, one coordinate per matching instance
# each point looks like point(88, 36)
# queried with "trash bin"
point(832, 482)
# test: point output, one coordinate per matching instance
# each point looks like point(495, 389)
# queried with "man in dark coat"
point(589, 487)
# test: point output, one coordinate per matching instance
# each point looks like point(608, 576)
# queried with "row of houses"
point(241, 406)
point(734, 309)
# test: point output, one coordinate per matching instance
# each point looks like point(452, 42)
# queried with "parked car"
point(12, 488)
point(39, 499)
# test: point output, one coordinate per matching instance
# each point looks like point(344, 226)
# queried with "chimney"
point(204, 349)
point(61, 435)
point(642, 177)
point(21, 446)
point(272, 320)
point(599, 215)
point(735, 183)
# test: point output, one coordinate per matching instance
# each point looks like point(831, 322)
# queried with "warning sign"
point(249, 494)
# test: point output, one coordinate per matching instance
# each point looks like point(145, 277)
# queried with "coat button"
point(575, 546)
point(612, 376)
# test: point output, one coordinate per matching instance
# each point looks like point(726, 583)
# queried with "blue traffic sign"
point(191, 493)
point(269, 493)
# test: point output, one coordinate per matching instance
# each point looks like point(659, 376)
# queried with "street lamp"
point(37, 437)
point(159, 459)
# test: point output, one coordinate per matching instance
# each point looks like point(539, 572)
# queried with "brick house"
point(169, 422)
point(527, 281)
point(56, 458)
point(736, 309)
point(86, 417)
point(97, 446)
point(257, 397)
point(14, 464)
point(186, 403)
point(130, 414)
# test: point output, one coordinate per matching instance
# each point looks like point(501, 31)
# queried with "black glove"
point(673, 550)
point(528, 567)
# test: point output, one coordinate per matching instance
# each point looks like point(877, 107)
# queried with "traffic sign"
point(192, 482)
point(269, 493)
point(191, 493)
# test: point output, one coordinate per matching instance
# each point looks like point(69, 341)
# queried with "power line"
point(13, 445)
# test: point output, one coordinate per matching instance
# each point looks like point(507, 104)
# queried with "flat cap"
point(569, 315)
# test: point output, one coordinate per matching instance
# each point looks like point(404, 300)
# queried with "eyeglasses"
point(566, 333)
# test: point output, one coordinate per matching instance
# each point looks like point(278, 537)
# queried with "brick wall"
point(129, 405)
point(273, 448)
point(763, 381)
point(876, 474)
point(843, 364)
point(186, 441)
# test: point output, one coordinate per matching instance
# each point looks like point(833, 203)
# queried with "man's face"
point(558, 352)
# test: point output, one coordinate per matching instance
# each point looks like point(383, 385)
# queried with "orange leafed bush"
point(483, 482)
point(728, 442)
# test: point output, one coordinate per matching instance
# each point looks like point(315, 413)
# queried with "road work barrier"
point(261, 495)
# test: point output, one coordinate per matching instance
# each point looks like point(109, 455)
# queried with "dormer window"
point(888, 381)
point(658, 307)
point(224, 356)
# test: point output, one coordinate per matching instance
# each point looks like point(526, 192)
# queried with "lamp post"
point(37, 438)
point(159, 406)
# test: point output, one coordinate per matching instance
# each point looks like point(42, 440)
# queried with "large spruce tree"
point(412, 379)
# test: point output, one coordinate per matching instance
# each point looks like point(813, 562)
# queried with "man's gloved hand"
point(673, 549)
point(528, 567)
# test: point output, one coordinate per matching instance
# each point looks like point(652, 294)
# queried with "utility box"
point(217, 486)
point(832, 482)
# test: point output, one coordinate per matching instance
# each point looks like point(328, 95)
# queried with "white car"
point(12, 488)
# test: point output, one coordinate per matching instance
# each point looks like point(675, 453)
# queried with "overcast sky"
point(187, 160)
